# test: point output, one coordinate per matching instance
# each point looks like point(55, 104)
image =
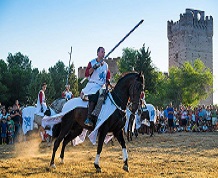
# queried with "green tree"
point(144, 64)
point(140, 61)
point(190, 84)
point(4, 80)
point(159, 98)
point(19, 68)
point(73, 81)
point(58, 74)
point(33, 87)
point(127, 62)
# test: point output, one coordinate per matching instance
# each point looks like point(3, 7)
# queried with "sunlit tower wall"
point(190, 38)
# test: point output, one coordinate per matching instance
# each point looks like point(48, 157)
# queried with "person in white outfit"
point(41, 101)
point(98, 75)
point(67, 94)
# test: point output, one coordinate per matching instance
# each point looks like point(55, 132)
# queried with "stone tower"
point(190, 38)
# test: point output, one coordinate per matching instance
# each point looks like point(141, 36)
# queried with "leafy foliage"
point(140, 61)
point(19, 81)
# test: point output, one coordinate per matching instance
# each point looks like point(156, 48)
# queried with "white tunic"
point(97, 79)
point(43, 104)
point(68, 95)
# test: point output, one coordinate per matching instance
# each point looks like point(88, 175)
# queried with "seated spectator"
point(205, 128)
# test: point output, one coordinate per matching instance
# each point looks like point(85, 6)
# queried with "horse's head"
point(135, 89)
point(129, 87)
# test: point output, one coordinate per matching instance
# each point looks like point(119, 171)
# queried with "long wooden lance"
point(118, 44)
point(68, 72)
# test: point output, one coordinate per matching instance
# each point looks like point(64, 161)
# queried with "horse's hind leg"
point(72, 134)
point(121, 140)
point(65, 128)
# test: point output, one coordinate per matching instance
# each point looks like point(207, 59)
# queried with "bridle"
point(132, 93)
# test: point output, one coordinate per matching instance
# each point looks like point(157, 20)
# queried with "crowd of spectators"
point(10, 123)
point(198, 119)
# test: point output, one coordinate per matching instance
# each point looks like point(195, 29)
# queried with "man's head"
point(171, 104)
point(100, 53)
point(44, 85)
point(67, 87)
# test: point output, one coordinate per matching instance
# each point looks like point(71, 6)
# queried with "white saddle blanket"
point(107, 109)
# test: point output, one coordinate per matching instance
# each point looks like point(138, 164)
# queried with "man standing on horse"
point(67, 94)
point(98, 75)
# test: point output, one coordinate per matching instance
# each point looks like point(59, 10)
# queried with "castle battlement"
point(192, 19)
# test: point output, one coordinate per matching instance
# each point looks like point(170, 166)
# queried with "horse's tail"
point(56, 130)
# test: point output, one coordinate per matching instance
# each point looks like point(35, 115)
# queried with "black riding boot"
point(91, 107)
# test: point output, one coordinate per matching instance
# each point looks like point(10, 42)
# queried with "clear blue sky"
point(44, 30)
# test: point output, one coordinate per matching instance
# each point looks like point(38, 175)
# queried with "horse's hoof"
point(47, 169)
point(126, 168)
point(98, 170)
point(61, 160)
point(97, 167)
point(53, 166)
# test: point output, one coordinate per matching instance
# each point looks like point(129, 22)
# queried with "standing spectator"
point(67, 94)
point(203, 113)
point(4, 130)
point(214, 117)
point(208, 116)
point(11, 129)
point(16, 117)
point(17, 104)
point(184, 115)
point(4, 114)
point(175, 120)
point(157, 113)
point(170, 116)
point(9, 110)
point(165, 113)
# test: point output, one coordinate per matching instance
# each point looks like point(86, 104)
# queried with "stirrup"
point(88, 122)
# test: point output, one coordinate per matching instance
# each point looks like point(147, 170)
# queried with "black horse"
point(72, 124)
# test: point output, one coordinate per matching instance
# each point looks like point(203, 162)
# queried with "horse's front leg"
point(121, 140)
point(101, 138)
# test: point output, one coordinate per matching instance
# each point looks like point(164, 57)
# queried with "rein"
point(118, 107)
point(132, 87)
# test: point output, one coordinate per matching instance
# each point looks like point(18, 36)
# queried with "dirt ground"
point(177, 155)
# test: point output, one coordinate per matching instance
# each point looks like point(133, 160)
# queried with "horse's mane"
point(126, 75)
point(130, 74)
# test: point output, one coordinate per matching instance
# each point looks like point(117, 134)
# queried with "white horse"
point(32, 120)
